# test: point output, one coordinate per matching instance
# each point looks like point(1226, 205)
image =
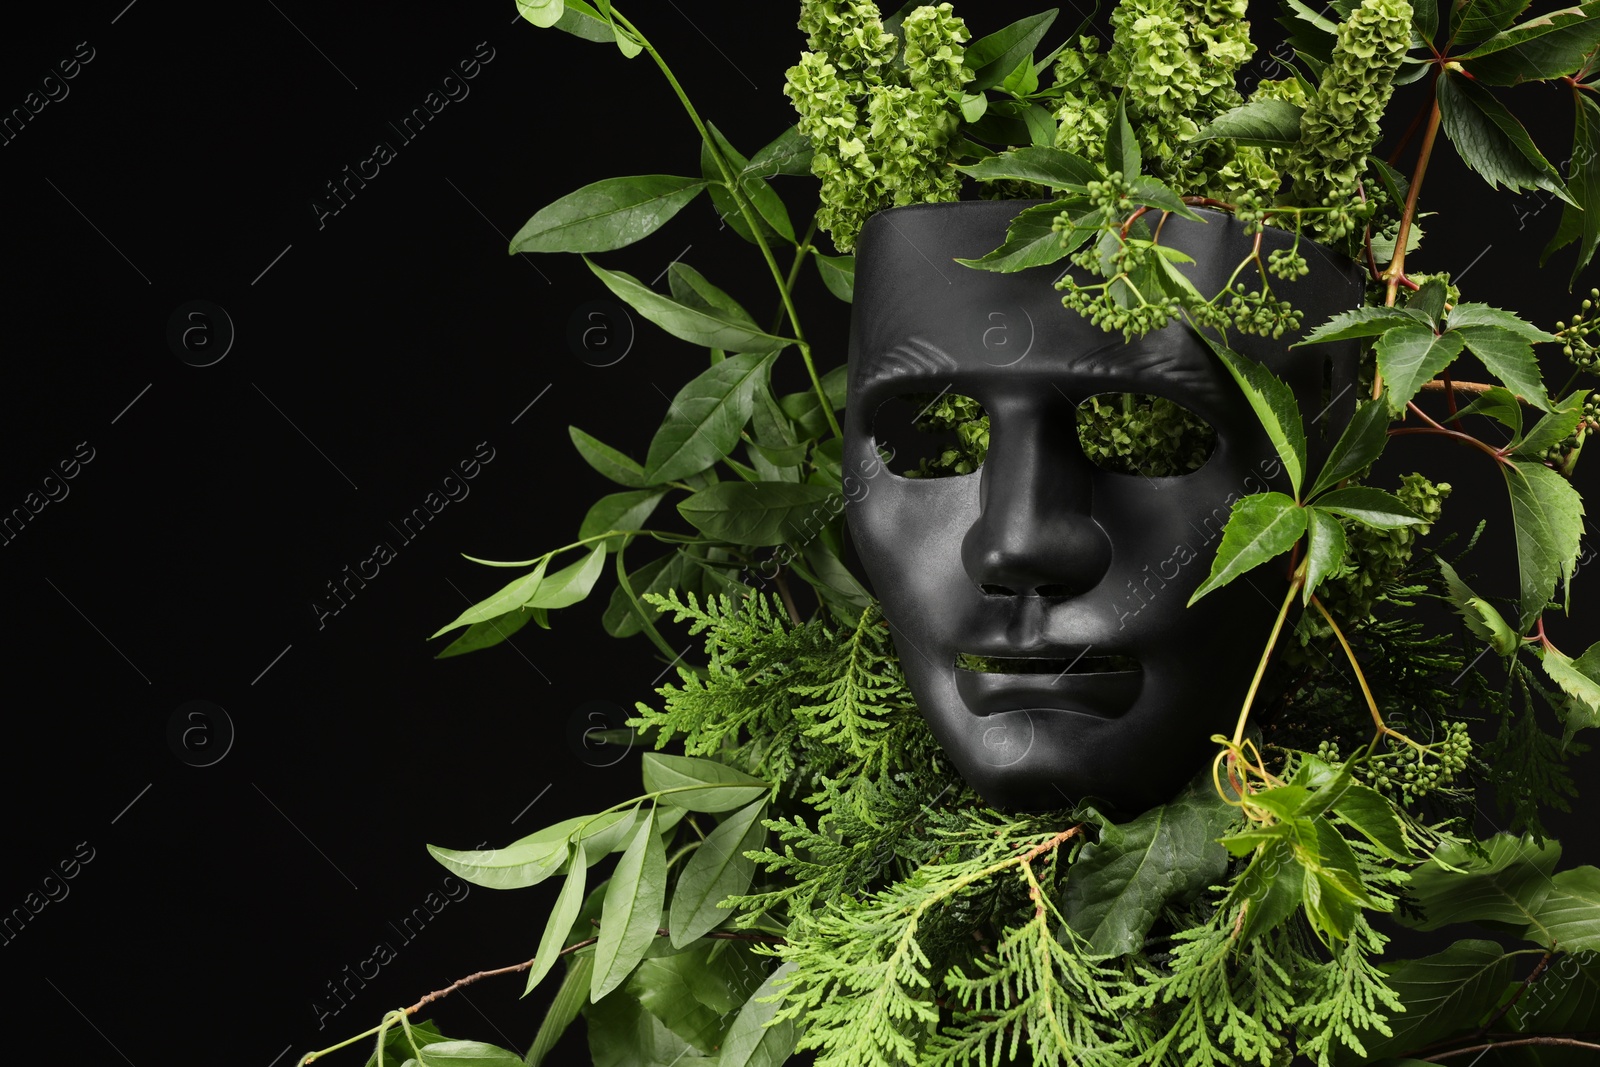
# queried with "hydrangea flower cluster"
point(882, 136)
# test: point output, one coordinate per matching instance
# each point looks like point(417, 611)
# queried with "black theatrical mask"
point(1038, 603)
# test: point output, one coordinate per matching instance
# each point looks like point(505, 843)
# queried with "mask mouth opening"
point(1078, 664)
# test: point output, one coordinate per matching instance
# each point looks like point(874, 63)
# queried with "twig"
point(1563, 1042)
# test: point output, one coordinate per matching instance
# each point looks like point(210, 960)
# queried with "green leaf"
point(1508, 357)
point(1553, 428)
point(1499, 404)
point(1410, 355)
point(750, 1042)
point(1261, 527)
point(570, 998)
point(511, 597)
point(1506, 886)
point(1053, 167)
point(1473, 21)
point(619, 511)
point(1325, 549)
point(692, 992)
point(397, 1047)
point(1118, 886)
point(1578, 681)
point(1444, 993)
point(583, 21)
point(470, 1054)
point(1475, 314)
point(1122, 147)
point(995, 56)
point(701, 326)
point(725, 787)
point(632, 910)
point(607, 460)
point(486, 634)
point(1262, 123)
point(623, 1034)
point(1153, 192)
point(1372, 815)
point(1271, 889)
point(690, 288)
point(542, 13)
point(570, 584)
point(705, 418)
point(1569, 917)
point(530, 860)
point(561, 919)
point(672, 571)
point(1547, 514)
point(1564, 999)
point(1032, 239)
point(717, 870)
point(1581, 221)
point(1427, 302)
point(838, 274)
point(1274, 404)
point(1358, 447)
point(768, 205)
point(1482, 619)
point(806, 411)
point(1370, 507)
point(1548, 46)
point(755, 514)
point(1357, 322)
point(788, 153)
point(607, 214)
point(1491, 141)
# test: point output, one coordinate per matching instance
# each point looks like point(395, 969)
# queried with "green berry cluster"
point(883, 134)
point(1288, 263)
point(1578, 336)
point(1340, 123)
point(1412, 773)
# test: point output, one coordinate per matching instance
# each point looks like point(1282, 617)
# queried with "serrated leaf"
point(1499, 404)
point(1547, 514)
point(1261, 527)
point(1505, 886)
point(607, 214)
point(1472, 21)
point(632, 910)
point(1482, 619)
point(1443, 993)
point(1262, 123)
point(1476, 314)
point(1427, 302)
point(1325, 549)
point(561, 918)
point(1372, 815)
point(692, 992)
point(751, 1042)
point(607, 460)
point(512, 596)
point(993, 57)
point(1491, 141)
point(1508, 357)
point(755, 514)
point(1577, 679)
point(1153, 192)
point(1122, 147)
point(701, 326)
point(570, 998)
point(717, 870)
point(1410, 355)
point(1370, 507)
point(1118, 886)
point(1275, 406)
point(1357, 322)
point(706, 416)
point(1358, 447)
point(1548, 46)
point(838, 274)
point(707, 785)
point(1053, 167)
point(1560, 423)
point(1031, 241)
point(1583, 179)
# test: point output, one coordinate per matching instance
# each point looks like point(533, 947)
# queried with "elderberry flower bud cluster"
point(1578, 336)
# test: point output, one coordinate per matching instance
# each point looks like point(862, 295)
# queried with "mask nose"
point(1035, 535)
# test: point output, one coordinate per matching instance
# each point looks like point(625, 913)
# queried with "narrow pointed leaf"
point(1475, 314)
point(1371, 507)
point(1262, 527)
point(513, 596)
point(1410, 355)
point(1482, 619)
point(607, 214)
point(1274, 404)
point(995, 56)
point(1357, 448)
point(1031, 241)
point(758, 513)
point(788, 153)
point(1580, 685)
point(531, 859)
point(1357, 322)
point(704, 420)
point(570, 584)
point(1498, 404)
point(1582, 225)
point(570, 998)
point(486, 634)
point(620, 511)
point(724, 788)
point(1053, 167)
point(717, 870)
point(1475, 21)
point(701, 326)
point(690, 287)
point(1153, 192)
point(1325, 549)
point(608, 461)
point(632, 910)
point(1122, 147)
point(751, 1042)
point(1262, 123)
point(1491, 141)
point(1508, 357)
point(561, 919)
point(1548, 46)
point(1547, 514)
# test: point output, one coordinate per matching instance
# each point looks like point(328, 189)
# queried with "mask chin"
point(1038, 592)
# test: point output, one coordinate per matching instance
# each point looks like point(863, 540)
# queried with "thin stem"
point(1464, 438)
point(645, 621)
point(1266, 654)
point(1397, 265)
point(1366, 691)
point(787, 597)
point(749, 217)
point(1560, 1042)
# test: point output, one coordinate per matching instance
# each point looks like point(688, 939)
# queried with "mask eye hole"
point(931, 435)
point(1151, 436)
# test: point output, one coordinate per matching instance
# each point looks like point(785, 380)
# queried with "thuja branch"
point(745, 209)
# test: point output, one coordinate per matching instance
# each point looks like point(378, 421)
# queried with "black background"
point(372, 350)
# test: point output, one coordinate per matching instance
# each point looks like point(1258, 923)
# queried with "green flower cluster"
point(1411, 773)
point(1340, 123)
point(1087, 100)
point(882, 133)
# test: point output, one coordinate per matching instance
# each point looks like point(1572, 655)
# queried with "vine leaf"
point(1450, 991)
point(838, 274)
point(1491, 141)
point(1325, 549)
point(1507, 885)
point(1475, 21)
point(1499, 404)
point(706, 416)
point(1274, 404)
point(1358, 447)
point(1547, 514)
point(1409, 355)
point(1485, 623)
point(718, 869)
point(561, 918)
point(1581, 221)
point(1548, 46)
point(993, 57)
point(631, 913)
point(706, 327)
point(1261, 527)
point(1357, 322)
point(1370, 507)
point(1508, 356)
point(1262, 123)
point(1032, 239)
point(1118, 886)
point(607, 214)
point(1580, 680)
point(1559, 424)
